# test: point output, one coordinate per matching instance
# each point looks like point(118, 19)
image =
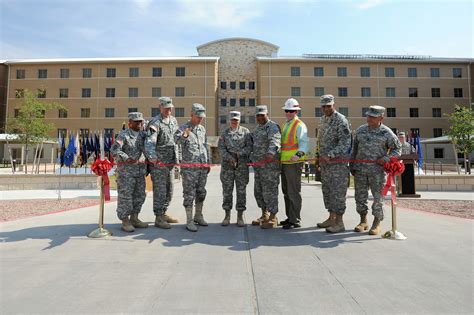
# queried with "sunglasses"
point(290, 111)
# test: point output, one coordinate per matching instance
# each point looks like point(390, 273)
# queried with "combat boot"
point(189, 220)
point(226, 220)
point(264, 217)
point(330, 221)
point(160, 222)
point(169, 218)
point(362, 226)
point(127, 225)
point(271, 223)
point(338, 225)
point(375, 229)
point(240, 219)
point(136, 222)
point(198, 217)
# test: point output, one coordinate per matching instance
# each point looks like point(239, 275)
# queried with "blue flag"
point(70, 152)
point(418, 149)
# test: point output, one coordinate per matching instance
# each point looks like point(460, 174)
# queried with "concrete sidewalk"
point(49, 266)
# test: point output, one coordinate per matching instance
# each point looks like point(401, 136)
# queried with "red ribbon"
point(101, 168)
point(392, 168)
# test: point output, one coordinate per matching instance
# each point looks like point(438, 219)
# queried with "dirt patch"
point(456, 208)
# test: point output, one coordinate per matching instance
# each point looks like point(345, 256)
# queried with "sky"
point(159, 28)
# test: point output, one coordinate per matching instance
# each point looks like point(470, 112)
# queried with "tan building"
point(239, 73)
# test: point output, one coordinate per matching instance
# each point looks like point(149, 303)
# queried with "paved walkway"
point(49, 266)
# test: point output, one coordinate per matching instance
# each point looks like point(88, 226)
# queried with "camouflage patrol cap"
point(234, 115)
point(327, 99)
point(375, 111)
point(198, 110)
point(166, 102)
point(261, 110)
point(135, 116)
point(401, 133)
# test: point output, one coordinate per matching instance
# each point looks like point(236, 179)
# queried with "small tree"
point(29, 123)
point(461, 131)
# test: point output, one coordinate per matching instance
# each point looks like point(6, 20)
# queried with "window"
point(108, 132)
point(132, 109)
point(179, 111)
point(316, 132)
point(344, 111)
point(62, 133)
point(155, 111)
point(435, 92)
point(251, 85)
point(110, 112)
point(390, 92)
point(133, 72)
point(63, 93)
point(457, 73)
point(19, 93)
point(365, 72)
point(318, 71)
point(435, 72)
point(342, 91)
point(318, 91)
point(180, 71)
point(295, 71)
point(85, 112)
point(41, 93)
point(389, 72)
point(222, 119)
point(251, 102)
point(84, 132)
point(232, 85)
point(223, 102)
point(412, 73)
point(64, 73)
point(317, 112)
point(62, 113)
point(86, 92)
point(436, 112)
point(242, 85)
point(438, 153)
point(412, 92)
point(342, 72)
point(242, 102)
point(16, 112)
point(251, 119)
point(42, 73)
point(156, 92)
point(111, 73)
point(414, 112)
point(457, 92)
point(437, 132)
point(391, 112)
point(132, 92)
point(179, 91)
point(223, 85)
point(365, 92)
point(232, 101)
point(364, 111)
point(86, 72)
point(110, 92)
point(414, 131)
point(20, 73)
point(295, 91)
point(242, 119)
point(156, 72)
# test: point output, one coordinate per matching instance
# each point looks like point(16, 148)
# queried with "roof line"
point(238, 38)
point(117, 59)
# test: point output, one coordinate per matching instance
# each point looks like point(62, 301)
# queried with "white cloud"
point(142, 5)
point(364, 5)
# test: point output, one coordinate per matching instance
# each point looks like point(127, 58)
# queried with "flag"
point(112, 140)
point(420, 153)
point(84, 152)
point(77, 146)
point(70, 151)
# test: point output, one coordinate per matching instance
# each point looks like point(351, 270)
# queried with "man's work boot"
point(264, 217)
point(271, 223)
point(198, 217)
point(240, 219)
point(189, 220)
point(136, 221)
point(170, 219)
point(127, 225)
point(330, 221)
point(362, 226)
point(338, 225)
point(375, 229)
point(226, 220)
point(160, 222)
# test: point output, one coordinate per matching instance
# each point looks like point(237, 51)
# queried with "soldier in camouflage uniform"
point(334, 143)
point(234, 145)
point(192, 139)
point(131, 168)
point(161, 152)
point(372, 141)
point(266, 153)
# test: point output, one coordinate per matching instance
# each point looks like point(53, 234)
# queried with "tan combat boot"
point(226, 220)
point(127, 225)
point(160, 222)
point(330, 221)
point(136, 221)
point(271, 223)
point(338, 225)
point(264, 217)
point(189, 220)
point(240, 219)
point(362, 226)
point(170, 219)
point(375, 229)
point(198, 217)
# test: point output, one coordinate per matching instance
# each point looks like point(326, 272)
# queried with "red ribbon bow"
point(101, 168)
point(392, 168)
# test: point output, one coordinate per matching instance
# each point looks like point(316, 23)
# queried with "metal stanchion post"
point(394, 234)
point(100, 231)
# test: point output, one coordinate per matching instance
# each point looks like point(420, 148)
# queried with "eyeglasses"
point(290, 111)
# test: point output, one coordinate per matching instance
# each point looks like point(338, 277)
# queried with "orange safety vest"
point(289, 142)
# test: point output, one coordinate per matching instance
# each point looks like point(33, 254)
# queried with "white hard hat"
point(291, 104)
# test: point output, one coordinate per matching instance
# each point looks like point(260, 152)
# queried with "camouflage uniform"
point(160, 147)
point(334, 142)
point(267, 140)
point(234, 146)
point(131, 169)
point(372, 144)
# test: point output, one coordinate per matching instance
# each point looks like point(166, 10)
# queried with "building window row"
point(242, 85)
point(390, 111)
point(366, 92)
point(233, 102)
point(109, 92)
point(109, 112)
